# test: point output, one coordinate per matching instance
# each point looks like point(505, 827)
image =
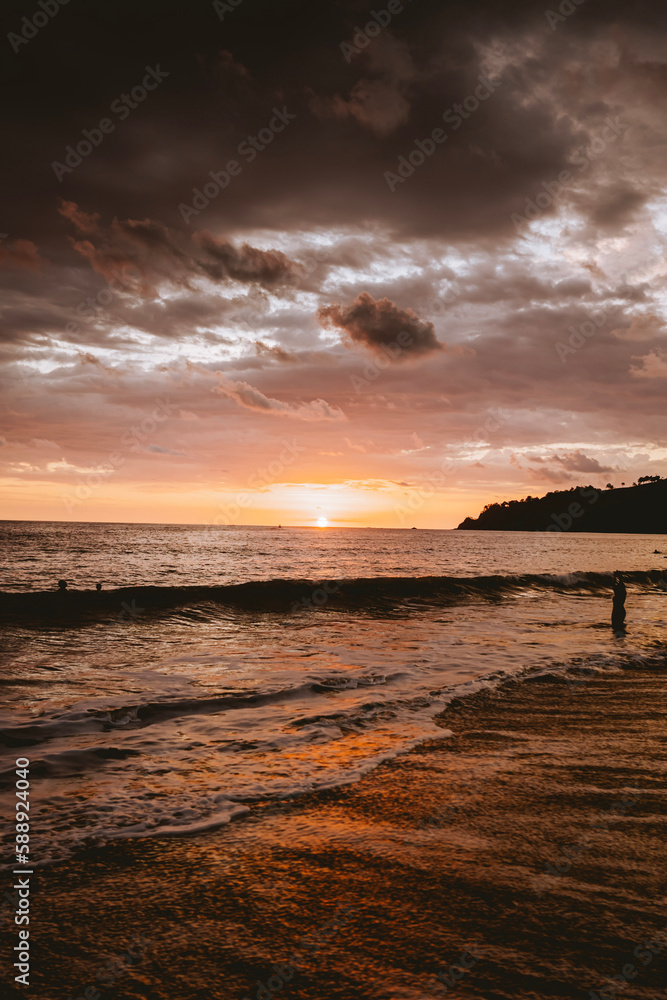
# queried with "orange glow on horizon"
point(351, 504)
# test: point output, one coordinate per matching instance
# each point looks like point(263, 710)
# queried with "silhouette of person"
point(98, 586)
point(62, 585)
point(618, 605)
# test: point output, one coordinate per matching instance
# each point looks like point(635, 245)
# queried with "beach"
point(530, 840)
point(392, 786)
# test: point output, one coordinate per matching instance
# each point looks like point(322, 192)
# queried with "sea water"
point(142, 722)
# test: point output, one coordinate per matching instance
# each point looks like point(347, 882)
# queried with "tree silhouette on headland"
point(640, 508)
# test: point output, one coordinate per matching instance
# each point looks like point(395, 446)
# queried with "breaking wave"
point(285, 595)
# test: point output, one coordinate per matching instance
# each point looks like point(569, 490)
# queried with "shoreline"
point(544, 812)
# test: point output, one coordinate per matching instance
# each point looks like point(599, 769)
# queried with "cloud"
point(275, 351)
point(156, 449)
point(221, 260)
point(21, 253)
point(85, 222)
point(576, 461)
point(562, 468)
point(251, 398)
point(90, 359)
point(364, 446)
point(379, 324)
point(377, 103)
point(643, 327)
point(157, 254)
point(651, 365)
point(617, 205)
point(373, 103)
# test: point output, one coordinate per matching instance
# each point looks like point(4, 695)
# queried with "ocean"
point(142, 721)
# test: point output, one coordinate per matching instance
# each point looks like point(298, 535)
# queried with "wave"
point(127, 717)
point(121, 808)
point(287, 595)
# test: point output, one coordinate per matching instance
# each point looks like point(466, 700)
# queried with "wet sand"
point(435, 862)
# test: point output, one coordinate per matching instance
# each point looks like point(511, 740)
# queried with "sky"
point(334, 263)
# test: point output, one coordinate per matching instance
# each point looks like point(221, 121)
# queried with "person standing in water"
point(618, 606)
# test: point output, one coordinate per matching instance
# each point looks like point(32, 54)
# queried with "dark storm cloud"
point(269, 268)
point(616, 205)
point(381, 324)
point(149, 249)
point(378, 102)
point(353, 119)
